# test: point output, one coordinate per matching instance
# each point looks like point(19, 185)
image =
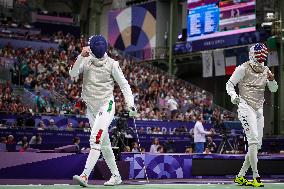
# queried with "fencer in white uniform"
point(251, 77)
point(99, 73)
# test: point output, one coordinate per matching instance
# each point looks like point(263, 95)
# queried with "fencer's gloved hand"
point(235, 99)
point(85, 51)
point(132, 111)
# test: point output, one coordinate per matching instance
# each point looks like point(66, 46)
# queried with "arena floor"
point(146, 186)
point(136, 184)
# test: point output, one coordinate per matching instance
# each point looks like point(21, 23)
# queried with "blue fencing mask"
point(98, 45)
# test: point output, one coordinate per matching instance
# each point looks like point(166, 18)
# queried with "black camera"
point(122, 135)
point(123, 114)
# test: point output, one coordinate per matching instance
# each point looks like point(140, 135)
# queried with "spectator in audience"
point(189, 150)
point(37, 139)
point(81, 125)
point(41, 126)
point(154, 146)
point(3, 142)
point(127, 149)
point(24, 147)
point(87, 127)
point(28, 81)
point(154, 130)
point(173, 106)
point(76, 142)
point(10, 140)
point(11, 144)
point(211, 145)
point(135, 147)
point(149, 130)
point(199, 135)
point(47, 105)
point(69, 127)
point(23, 141)
point(142, 149)
point(52, 125)
point(39, 103)
point(183, 129)
point(141, 130)
point(207, 151)
point(158, 131)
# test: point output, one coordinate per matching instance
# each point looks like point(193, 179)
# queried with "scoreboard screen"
point(214, 18)
point(203, 20)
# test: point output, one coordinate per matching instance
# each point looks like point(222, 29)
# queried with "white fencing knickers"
point(253, 123)
point(99, 138)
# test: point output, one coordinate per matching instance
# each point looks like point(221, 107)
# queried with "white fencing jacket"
point(251, 84)
point(98, 80)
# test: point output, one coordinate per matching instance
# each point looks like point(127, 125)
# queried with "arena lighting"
point(179, 36)
point(266, 24)
point(270, 16)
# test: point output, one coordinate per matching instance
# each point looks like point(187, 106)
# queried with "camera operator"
point(199, 134)
point(122, 135)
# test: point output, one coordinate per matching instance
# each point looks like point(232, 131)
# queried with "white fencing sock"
point(91, 161)
point(252, 150)
point(245, 166)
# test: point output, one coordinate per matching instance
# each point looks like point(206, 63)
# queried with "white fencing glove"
point(235, 99)
point(132, 111)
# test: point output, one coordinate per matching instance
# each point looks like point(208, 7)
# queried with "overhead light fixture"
point(270, 15)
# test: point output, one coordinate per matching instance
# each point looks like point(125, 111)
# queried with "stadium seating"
point(48, 70)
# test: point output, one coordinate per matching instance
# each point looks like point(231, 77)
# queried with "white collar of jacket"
point(257, 67)
point(98, 61)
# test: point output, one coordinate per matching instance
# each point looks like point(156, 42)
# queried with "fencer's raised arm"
point(236, 77)
point(123, 84)
point(77, 67)
point(272, 86)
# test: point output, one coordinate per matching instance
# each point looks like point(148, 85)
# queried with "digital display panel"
point(215, 18)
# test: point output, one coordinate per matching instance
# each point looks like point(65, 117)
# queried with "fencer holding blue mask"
point(98, 46)
point(99, 74)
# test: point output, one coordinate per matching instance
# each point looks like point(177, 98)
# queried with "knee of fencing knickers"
point(253, 139)
point(253, 145)
point(106, 147)
point(95, 140)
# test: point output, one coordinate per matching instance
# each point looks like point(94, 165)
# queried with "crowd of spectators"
point(11, 28)
point(158, 96)
point(162, 97)
point(24, 144)
point(9, 102)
